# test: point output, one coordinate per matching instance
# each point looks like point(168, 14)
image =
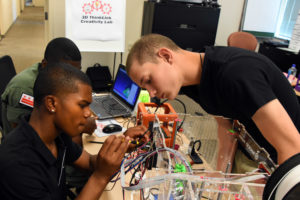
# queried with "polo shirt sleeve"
point(74, 151)
point(23, 182)
point(246, 86)
point(15, 110)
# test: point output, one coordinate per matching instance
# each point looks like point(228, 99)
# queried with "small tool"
point(96, 142)
point(137, 142)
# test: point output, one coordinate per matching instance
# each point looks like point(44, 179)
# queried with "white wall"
point(22, 3)
point(14, 9)
point(8, 13)
point(229, 21)
point(18, 7)
point(230, 16)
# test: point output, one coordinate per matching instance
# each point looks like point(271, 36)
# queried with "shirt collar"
point(38, 144)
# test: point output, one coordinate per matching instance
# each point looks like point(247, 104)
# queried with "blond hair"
point(145, 49)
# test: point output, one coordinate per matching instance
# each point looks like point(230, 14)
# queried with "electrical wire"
point(115, 54)
point(140, 160)
point(184, 108)
point(121, 56)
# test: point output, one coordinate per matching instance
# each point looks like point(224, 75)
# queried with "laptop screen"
point(125, 88)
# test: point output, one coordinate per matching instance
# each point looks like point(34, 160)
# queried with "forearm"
point(279, 130)
point(93, 188)
point(92, 162)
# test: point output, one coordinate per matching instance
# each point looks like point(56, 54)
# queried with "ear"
point(44, 63)
point(50, 103)
point(166, 54)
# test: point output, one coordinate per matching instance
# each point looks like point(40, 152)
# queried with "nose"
point(152, 92)
point(87, 112)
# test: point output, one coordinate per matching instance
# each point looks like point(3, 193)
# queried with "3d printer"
point(166, 114)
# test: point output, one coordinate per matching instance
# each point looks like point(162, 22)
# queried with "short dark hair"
point(145, 49)
point(61, 49)
point(56, 78)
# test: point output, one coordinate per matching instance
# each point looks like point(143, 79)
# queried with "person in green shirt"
point(17, 99)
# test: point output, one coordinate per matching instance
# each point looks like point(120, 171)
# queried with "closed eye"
point(84, 104)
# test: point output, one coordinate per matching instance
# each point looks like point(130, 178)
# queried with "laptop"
point(121, 101)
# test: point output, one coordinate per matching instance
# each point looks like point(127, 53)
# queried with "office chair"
point(284, 183)
point(7, 71)
point(242, 40)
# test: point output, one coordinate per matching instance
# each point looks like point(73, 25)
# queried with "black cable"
point(184, 108)
point(133, 175)
point(115, 54)
point(141, 136)
point(111, 187)
point(158, 103)
point(121, 58)
point(201, 59)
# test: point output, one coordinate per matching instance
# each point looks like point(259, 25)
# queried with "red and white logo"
point(87, 8)
point(106, 8)
point(97, 5)
point(27, 100)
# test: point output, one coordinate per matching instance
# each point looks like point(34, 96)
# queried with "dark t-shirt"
point(28, 170)
point(235, 83)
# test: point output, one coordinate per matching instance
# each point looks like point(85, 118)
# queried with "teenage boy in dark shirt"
point(33, 155)
point(227, 81)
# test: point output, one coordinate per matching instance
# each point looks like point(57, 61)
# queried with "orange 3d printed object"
point(166, 115)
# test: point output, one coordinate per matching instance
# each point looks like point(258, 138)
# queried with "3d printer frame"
point(168, 119)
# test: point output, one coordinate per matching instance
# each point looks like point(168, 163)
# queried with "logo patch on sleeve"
point(27, 100)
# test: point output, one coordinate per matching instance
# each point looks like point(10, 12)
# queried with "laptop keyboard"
point(111, 105)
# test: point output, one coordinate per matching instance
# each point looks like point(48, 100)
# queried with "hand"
point(110, 156)
point(90, 125)
point(136, 133)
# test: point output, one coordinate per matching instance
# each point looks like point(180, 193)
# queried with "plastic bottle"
point(292, 73)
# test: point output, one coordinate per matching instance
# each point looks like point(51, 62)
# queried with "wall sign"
point(96, 25)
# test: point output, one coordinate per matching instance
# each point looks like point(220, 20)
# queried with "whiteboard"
point(96, 25)
point(261, 15)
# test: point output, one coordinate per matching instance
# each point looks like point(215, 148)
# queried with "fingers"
point(135, 132)
point(146, 136)
point(115, 144)
point(90, 125)
point(105, 147)
point(118, 143)
point(117, 149)
point(111, 154)
point(120, 152)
